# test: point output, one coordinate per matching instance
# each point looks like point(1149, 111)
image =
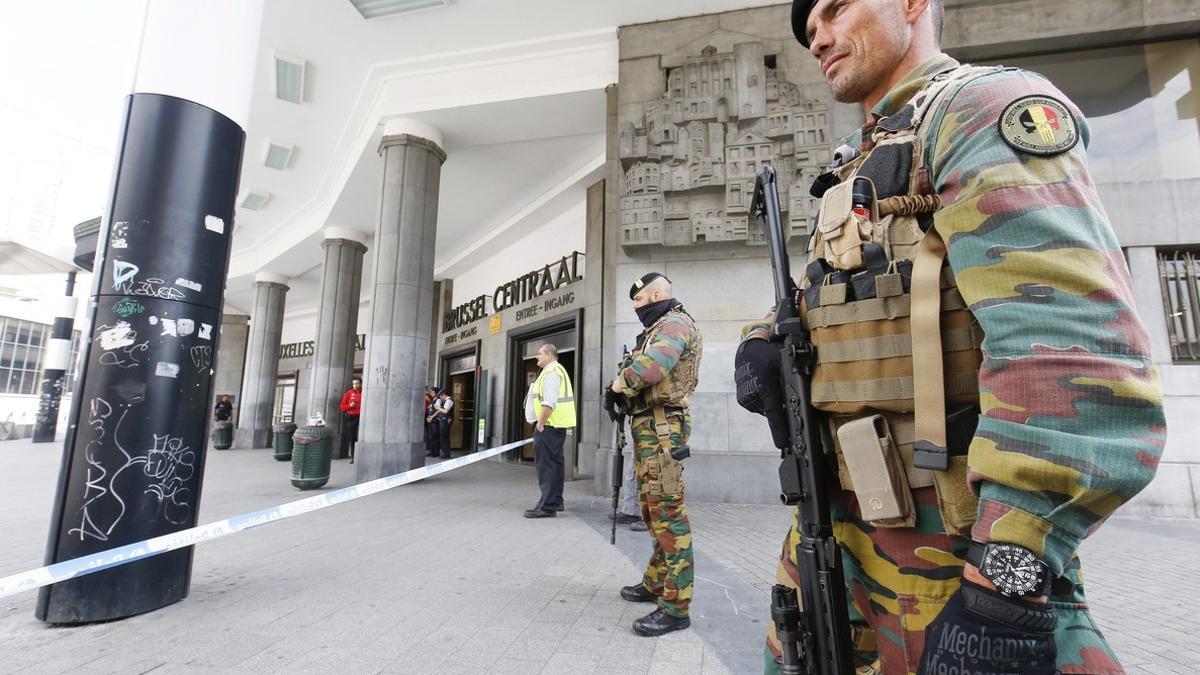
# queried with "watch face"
point(1013, 569)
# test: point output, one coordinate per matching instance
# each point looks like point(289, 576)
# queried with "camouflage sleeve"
point(1072, 423)
point(760, 329)
point(659, 356)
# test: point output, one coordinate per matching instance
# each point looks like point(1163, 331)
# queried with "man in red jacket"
point(351, 406)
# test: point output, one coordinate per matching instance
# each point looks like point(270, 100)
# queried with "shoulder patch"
point(1039, 125)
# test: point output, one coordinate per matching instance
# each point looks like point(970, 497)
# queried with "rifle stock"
point(817, 631)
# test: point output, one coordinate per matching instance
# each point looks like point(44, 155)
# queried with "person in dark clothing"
point(443, 416)
point(223, 410)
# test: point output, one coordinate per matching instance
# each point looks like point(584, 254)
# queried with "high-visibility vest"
point(562, 415)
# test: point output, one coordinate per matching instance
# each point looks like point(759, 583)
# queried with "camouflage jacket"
point(1072, 423)
point(674, 335)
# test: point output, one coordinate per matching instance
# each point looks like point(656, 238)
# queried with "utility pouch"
point(670, 469)
point(877, 473)
point(842, 231)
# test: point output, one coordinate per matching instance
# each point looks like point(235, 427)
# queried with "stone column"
point(231, 358)
point(262, 361)
point(391, 432)
point(337, 326)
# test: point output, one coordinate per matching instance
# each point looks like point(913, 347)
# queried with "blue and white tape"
point(77, 567)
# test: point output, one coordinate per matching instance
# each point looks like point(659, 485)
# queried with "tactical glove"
point(614, 404)
point(759, 388)
point(984, 633)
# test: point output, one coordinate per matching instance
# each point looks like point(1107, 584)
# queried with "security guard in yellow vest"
point(550, 407)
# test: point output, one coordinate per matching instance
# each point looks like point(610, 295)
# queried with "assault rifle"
point(618, 474)
point(617, 407)
point(815, 633)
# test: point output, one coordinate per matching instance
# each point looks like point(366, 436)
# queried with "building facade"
point(482, 221)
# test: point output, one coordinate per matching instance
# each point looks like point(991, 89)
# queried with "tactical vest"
point(562, 415)
point(675, 389)
point(897, 349)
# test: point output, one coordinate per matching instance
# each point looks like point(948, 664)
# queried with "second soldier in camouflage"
point(658, 380)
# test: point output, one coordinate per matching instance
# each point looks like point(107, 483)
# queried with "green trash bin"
point(283, 440)
point(311, 457)
point(222, 435)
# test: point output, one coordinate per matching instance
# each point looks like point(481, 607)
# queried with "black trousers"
point(550, 464)
point(351, 436)
point(444, 436)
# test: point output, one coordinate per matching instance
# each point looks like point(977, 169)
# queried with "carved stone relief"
point(689, 157)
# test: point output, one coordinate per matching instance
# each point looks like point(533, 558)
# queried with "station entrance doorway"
point(460, 378)
point(563, 333)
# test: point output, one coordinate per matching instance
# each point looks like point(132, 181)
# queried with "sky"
point(67, 67)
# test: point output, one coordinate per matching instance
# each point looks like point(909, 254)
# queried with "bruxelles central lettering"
point(518, 291)
point(296, 350)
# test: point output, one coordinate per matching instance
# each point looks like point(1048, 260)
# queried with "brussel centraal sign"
point(520, 290)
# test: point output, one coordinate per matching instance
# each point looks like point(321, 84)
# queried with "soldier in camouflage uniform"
point(1037, 328)
point(658, 379)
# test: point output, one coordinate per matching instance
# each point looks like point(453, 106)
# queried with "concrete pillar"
point(1148, 299)
point(391, 432)
point(231, 358)
point(337, 326)
point(262, 361)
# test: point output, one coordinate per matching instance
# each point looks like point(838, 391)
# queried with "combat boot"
point(659, 622)
point(638, 593)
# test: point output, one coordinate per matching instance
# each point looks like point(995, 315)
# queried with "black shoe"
point(444, 456)
point(560, 507)
point(625, 518)
point(659, 622)
point(539, 513)
point(637, 593)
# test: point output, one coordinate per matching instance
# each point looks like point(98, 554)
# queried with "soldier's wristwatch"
point(1013, 570)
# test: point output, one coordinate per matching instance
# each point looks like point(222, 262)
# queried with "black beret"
point(800, 10)
point(641, 283)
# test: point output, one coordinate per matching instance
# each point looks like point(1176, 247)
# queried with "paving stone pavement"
point(445, 576)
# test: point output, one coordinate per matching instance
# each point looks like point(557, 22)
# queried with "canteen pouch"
point(873, 463)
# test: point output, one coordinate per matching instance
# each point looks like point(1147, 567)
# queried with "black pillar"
point(58, 362)
point(134, 454)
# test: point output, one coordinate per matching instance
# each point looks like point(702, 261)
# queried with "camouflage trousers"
point(660, 495)
point(898, 580)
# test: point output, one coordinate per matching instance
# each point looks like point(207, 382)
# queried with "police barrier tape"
point(77, 567)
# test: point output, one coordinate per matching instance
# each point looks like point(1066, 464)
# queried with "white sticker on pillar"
point(186, 327)
point(169, 328)
point(120, 335)
point(190, 285)
point(153, 320)
point(119, 231)
point(205, 331)
point(214, 224)
point(163, 369)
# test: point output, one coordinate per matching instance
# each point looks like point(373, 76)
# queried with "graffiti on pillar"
point(689, 157)
point(52, 390)
point(127, 307)
point(120, 346)
point(103, 502)
point(170, 465)
point(167, 467)
point(381, 375)
point(201, 357)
